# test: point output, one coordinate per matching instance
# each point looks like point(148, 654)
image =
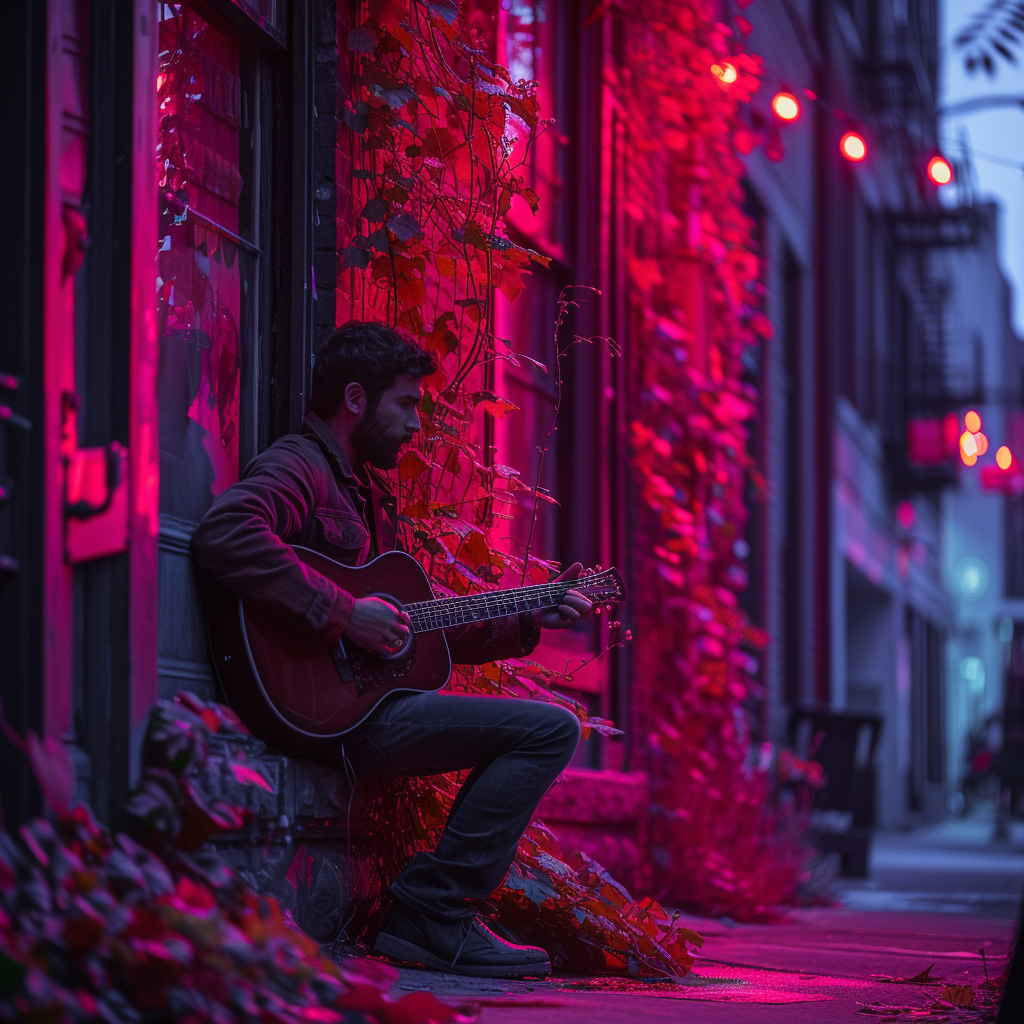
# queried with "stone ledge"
point(294, 847)
point(606, 798)
point(305, 793)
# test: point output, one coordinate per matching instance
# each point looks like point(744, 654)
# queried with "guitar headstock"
point(601, 586)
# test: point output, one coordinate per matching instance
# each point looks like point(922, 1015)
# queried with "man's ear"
point(354, 398)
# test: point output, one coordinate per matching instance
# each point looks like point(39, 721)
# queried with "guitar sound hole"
point(371, 673)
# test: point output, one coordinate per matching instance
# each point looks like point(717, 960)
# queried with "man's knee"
point(559, 728)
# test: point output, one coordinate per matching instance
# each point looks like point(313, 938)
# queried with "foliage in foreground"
point(152, 928)
point(96, 926)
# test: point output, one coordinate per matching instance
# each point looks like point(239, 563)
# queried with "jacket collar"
point(335, 456)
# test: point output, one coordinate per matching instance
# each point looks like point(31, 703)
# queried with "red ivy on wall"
point(428, 167)
point(428, 173)
point(717, 844)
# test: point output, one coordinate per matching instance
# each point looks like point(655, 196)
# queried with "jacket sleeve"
point(241, 543)
point(477, 644)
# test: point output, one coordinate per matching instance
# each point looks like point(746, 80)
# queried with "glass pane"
point(526, 34)
point(200, 267)
point(528, 325)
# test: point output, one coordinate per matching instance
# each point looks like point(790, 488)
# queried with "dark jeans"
point(515, 748)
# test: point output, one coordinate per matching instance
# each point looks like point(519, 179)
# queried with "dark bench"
point(844, 744)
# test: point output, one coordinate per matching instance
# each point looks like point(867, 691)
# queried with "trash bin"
point(843, 743)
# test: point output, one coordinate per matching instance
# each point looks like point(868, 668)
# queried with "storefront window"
point(202, 261)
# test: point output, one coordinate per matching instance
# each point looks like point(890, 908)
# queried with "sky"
point(997, 132)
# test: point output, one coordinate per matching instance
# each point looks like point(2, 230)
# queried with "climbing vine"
point(717, 843)
point(433, 146)
point(436, 133)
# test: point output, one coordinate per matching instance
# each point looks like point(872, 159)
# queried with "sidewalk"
point(953, 867)
point(940, 896)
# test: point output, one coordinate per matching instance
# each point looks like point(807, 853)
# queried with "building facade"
point(890, 318)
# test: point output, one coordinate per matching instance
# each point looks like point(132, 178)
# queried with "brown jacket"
point(301, 490)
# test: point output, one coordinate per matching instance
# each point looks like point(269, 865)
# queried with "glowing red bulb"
point(940, 171)
point(725, 72)
point(853, 147)
point(786, 106)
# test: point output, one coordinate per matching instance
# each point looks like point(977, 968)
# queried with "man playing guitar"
point(321, 489)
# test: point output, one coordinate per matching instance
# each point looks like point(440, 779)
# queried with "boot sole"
point(407, 952)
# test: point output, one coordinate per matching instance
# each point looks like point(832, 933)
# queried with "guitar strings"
point(548, 588)
point(487, 600)
point(431, 614)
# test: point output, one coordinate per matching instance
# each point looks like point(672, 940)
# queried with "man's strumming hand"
point(574, 605)
point(379, 627)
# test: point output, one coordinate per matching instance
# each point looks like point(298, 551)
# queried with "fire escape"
point(935, 373)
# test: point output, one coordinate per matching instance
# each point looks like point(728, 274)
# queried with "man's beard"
point(374, 445)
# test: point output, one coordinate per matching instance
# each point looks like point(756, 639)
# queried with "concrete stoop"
point(294, 846)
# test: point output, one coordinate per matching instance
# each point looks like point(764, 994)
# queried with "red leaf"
point(958, 995)
point(388, 14)
point(191, 897)
point(245, 774)
point(301, 864)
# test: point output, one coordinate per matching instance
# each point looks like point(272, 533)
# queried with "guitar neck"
point(496, 604)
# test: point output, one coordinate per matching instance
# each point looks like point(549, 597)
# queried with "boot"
point(456, 947)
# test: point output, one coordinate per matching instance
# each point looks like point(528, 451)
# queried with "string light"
point(1004, 457)
point(973, 443)
point(853, 147)
point(968, 448)
point(725, 72)
point(786, 106)
point(940, 171)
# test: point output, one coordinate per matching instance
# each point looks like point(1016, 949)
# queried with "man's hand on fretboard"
point(574, 605)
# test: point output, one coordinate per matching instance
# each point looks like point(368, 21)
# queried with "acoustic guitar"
point(294, 693)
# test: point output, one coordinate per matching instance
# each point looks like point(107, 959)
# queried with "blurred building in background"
point(883, 581)
point(983, 541)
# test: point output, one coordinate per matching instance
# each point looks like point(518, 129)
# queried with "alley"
point(936, 897)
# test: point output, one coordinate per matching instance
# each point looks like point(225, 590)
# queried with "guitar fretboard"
point(497, 604)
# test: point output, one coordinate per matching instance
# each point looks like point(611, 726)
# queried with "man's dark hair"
point(369, 353)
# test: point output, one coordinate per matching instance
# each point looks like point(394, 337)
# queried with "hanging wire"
point(994, 159)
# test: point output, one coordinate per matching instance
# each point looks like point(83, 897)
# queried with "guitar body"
point(294, 693)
